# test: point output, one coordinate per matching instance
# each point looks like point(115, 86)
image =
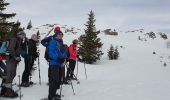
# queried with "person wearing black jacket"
point(32, 49)
point(25, 55)
point(29, 53)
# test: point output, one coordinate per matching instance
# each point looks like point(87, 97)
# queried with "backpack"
point(3, 47)
point(45, 43)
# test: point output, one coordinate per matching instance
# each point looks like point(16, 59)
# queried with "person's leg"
point(11, 73)
point(26, 73)
point(72, 66)
point(54, 81)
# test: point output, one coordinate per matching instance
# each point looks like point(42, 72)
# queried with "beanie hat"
point(75, 41)
point(57, 28)
point(20, 33)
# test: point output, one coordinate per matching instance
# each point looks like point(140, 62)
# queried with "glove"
point(18, 59)
point(77, 56)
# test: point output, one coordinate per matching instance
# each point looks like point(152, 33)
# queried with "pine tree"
point(90, 45)
point(29, 25)
point(38, 34)
point(116, 53)
point(110, 53)
point(5, 25)
point(15, 29)
point(113, 53)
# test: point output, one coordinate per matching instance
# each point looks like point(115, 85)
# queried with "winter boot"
point(72, 77)
point(25, 84)
point(10, 93)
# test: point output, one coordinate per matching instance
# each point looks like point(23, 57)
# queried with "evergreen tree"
point(5, 25)
point(15, 29)
point(90, 45)
point(116, 53)
point(38, 34)
point(110, 53)
point(113, 53)
point(29, 25)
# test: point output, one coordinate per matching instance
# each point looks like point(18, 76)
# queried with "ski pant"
point(11, 71)
point(70, 69)
point(54, 80)
point(62, 74)
point(32, 59)
point(27, 70)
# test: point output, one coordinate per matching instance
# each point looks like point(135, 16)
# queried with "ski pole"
point(61, 87)
point(19, 87)
point(77, 68)
point(85, 70)
point(72, 88)
point(39, 70)
point(48, 33)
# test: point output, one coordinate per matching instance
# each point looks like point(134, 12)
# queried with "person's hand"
point(18, 59)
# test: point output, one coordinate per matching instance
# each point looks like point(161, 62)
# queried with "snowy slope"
point(137, 75)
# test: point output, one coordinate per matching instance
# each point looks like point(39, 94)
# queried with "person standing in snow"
point(12, 60)
point(29, 53)
point(72, 59)
point(57, 58)
point(32, 49)
point(25, 55)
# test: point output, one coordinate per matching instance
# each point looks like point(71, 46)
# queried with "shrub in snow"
point(163, 36)
point(151, 35)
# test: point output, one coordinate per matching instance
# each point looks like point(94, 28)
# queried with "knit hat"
point(75, 41)
point(57, 28)
point(20, 33)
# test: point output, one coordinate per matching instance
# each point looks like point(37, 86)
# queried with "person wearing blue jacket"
point(57, 59)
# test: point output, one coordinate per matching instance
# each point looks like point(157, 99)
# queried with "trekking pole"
point(39, 70)
point(61, 88)
point(77, 68)
point(19, 87)
point(72, 88)
point(85, 70)
point(48, 33)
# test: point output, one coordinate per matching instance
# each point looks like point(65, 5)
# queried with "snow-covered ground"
point(137, 75)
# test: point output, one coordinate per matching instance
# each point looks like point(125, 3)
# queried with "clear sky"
point(115, 14)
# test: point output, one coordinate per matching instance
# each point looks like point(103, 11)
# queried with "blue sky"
point(115, 14)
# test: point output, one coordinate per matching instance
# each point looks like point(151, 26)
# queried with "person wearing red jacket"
point(72, 59)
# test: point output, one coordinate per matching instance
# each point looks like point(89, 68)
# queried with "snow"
point(138, 74)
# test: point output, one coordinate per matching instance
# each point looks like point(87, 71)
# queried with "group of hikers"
point(57, 55)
